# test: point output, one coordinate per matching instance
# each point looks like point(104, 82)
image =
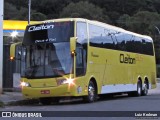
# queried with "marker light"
point(14, 34)
point(11, 58)
point(73, 53)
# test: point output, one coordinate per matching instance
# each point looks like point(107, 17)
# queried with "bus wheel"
point(138, 92)
point(139, 89)
point(92, 93)
point(145, 89)
point(46, 101)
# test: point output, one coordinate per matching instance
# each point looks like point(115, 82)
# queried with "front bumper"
point(58, 91)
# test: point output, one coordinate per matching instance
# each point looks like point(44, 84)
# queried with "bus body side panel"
point(116, 73)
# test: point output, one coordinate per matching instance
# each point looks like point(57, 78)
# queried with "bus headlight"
point(65, 81)
point(68, 81)
point(25, 84)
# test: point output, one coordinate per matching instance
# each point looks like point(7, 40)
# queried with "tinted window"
point(129, 42)
point(82, 33)
point(101, 37)
point(48, 33)
point(147, 47)
point(81, 49)
point(110, 39)
point(121, 42)
point(139, 45)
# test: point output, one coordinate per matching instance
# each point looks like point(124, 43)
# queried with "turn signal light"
point(73, 53)
point(11, 58)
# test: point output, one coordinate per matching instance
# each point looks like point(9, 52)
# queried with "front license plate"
point(45, 91)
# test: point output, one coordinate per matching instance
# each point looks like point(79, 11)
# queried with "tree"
point(37, 16)
point(18, 3)
point(22, 14)
point(14, 12)
point(10, 11)
point(129, 7)
point(143, 22)
point(122, 21)
point(84, 10)
point(49, 8)
point(156, 4)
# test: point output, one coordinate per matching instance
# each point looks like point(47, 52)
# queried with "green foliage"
point(38, 16)
point(84, 10)
point(104, 10)
point(10, 10)
point(122, 21)
point(143, 22)
point(140, 16)
point(50, 8)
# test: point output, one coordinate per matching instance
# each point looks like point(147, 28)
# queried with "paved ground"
point(8, 97)
point(115, 105)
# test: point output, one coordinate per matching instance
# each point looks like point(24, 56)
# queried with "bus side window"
point(79, 62)
point(121, 42)
point(109, 42)
point(81, 49)
point(129, 41)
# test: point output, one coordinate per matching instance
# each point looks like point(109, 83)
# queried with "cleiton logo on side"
point(127, 59)
point(40, 27)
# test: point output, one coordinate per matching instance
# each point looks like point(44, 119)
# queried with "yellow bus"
point(79, 57)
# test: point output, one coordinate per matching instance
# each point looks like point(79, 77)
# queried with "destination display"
point(52, 32)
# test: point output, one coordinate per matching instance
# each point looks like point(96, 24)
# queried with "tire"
point(138, 92)
point(46, 101)
point(145, 89)
point(139, 89)
point(92, 93)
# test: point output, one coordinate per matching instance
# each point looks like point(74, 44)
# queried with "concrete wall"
point(1, 44)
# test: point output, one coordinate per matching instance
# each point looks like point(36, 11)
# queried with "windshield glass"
point(46, 60)
point(46, 50)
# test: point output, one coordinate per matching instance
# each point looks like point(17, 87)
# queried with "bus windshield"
point(46, 50)
point(46, 60)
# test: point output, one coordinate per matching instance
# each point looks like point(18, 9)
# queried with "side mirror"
point(13, 55)
point(73, 41)
point(12, 52)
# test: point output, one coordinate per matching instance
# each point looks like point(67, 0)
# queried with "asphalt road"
point(119, 103)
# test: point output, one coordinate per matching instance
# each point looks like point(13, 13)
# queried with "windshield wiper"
point(29, 72)
point(59, 71)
